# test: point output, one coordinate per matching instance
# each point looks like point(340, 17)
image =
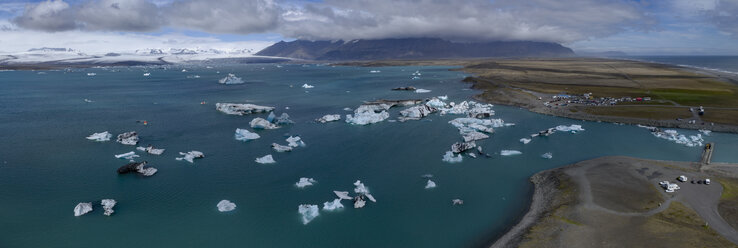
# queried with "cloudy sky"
point(633, 26)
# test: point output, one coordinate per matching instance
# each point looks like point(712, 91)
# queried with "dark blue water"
point(47, 166)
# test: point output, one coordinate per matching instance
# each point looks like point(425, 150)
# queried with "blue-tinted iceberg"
point(308, 212)
point(245, 135)
point(82, 208)
point(226, 206)
point(430, 184)
point(328, 118)
point(304, 182)
point(332, 205)
point(108, 205)
point(231, 79)
point(450, 158)
point(268, 159)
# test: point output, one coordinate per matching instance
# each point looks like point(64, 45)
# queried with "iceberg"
point(150, 150)
point(547, 155)
point(295, 141)
point(268, 159)
point(459, 147)
point(416, 112)
point(304, 182)
point(147, 74)
point(91, 74)
point(375, 71)
point(510, 152)
point(430, 184)
point(472, 129)
point(572, 128)
point(332, 205)
point(359, 202)
point(363, 190)
point(261, 123)
point(281, 148)
point(457, 202)
point(705, 132)
point(307, 86)
point(108, 205)
point(245, 135)
point(241, 109)
point(436, 103)
point(365, 118)
point(128, 138)
point(226, 206)
point(138, 168)
point(674, 136)
point(450, 158)
point(100, 137)
point(82, 208)
point(283, 119)
point(190, 156)
point(308, 212)
point(127, 155)
point(231, 79)
point(343, 195)
point(525, 140)
point(328, 118)
point(422, 91)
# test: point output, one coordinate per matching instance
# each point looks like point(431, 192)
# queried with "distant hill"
point(411, 48)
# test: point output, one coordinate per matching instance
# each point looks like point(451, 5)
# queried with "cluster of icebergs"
point(231, 79)
point(241, 108)
point(308, 212)
point(83, 208)
point(676, 137)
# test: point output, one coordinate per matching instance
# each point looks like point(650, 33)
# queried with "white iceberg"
point(241, 109)
point(245, 135)
point(147, 74)
point(361, 189)
point(127, 155)
point(261, 123)
point(190, 156)
point(375, 71)
point(343, 195)
point(268, 159)
point(281, 148)
point(128, 138)
point(307, 86)
point(147, 171)
point(108, 205)
point(332, 205)
point(226, 206)
point(308, 212)
point(422, 91)
point(150, 150)
point(547, 155)
point(100, 137)
point(430, 184)
point(674, 136)
point(91, 74)
point(572, 128)
point(231, 79)
point(472, 129)
point(328, 118)
point(82, 208)
point(436, 102)
point(365, 118)
point(525, 140)
point(705, 132)
point(283, 119)
point(295, 141)
point(416, 112)
point(510, 152)
point(304, 182)
point(359, 202)
point(450, 158)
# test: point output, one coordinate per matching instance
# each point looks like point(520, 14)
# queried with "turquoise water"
point(47, 166)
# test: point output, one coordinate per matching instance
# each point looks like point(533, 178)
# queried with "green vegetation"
point(643, 112)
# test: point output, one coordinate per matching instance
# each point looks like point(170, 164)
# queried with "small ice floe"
point(450, 158)
point(416, 112)
point(241, 108)
point(230, 79)
point(460, 147)
point(304, 182)
point(422, 91)
point(375, 71)
point(362, 191)
point(190, 156)
point(525, 140)
point(128, 138)
point(347, 109)
point(150, 150)
point(245, 135)
point(343, 195)
point(427, 176)
point(184, 70)
point(308, 212)
point(328, 118)
point(510, 152)
point(705, 132)
point(91, 74)
point(281, 148)
point(471, 154)
point(332, 205)
point(572, 128)
point(268, 159)
point(430, 184)
point(137, 168)
point(457, 202)
point(226, 206)
point(88, 100)
point(295, 141)
point(283, 119)
point(82, 208)
point(147, 74)
point(307, 86)
point(366, 117)
point(100, 137)
point(108, 205)
point(193, 76)
point(261, 123)
point(547, 155)
point(128, 155)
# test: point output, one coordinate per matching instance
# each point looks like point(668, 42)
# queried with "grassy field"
point(728, 206)
point(644, 112)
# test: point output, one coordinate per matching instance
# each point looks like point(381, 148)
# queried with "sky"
point(637, 27)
